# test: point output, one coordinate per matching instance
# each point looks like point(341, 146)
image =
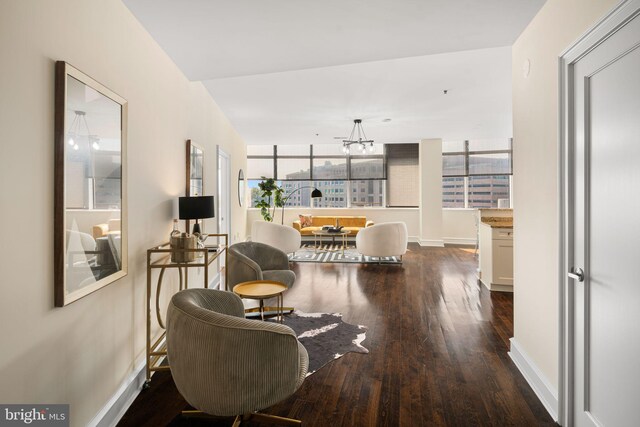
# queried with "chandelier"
point(76, 133)
point(362, 143)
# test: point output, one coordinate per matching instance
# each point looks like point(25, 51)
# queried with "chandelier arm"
point(87, 126)
point(73, 123)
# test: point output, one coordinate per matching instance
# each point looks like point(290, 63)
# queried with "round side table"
point(261, 290)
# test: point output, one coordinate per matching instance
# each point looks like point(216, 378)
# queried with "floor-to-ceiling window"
point(477, 173)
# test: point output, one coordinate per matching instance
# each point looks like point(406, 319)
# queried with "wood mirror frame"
point(90, 186)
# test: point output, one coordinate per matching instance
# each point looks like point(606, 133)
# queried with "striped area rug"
point(329, 254)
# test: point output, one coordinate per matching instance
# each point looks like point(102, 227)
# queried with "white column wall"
point(431, 192)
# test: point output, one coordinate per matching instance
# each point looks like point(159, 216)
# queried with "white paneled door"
point(603, 227)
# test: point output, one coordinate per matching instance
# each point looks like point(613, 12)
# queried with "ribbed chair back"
point(224, 364)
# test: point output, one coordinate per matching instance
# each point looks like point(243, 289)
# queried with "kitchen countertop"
point(498, 222)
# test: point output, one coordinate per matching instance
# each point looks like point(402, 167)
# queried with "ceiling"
point(284, 71)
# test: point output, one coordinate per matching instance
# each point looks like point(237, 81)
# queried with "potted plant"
point(269, 190)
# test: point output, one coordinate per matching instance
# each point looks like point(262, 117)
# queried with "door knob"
point(576, 274)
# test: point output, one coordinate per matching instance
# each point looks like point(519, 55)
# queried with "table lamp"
point(197, 208)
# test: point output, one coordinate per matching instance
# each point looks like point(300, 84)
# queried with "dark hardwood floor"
point(438, 345)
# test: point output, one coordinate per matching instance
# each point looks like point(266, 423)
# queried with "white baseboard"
point(432, 242)
point(459, 241)
point(547, 394)
point(413, 239)
point(116, 407)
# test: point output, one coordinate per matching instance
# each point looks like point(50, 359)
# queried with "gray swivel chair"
point(250, 261)
point(226, 365)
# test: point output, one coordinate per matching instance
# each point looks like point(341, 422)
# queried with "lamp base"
point(196, 228)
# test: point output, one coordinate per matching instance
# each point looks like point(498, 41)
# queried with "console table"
point(159, 257)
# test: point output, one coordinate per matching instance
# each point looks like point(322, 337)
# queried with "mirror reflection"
point(196, 168)
point(93, 186)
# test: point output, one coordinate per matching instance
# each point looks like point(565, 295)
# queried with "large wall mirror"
point(195, 170)
point(90, 185)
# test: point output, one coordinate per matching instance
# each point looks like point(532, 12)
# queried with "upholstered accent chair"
point(250, 261)
point(258, 261)
point(283, 237)
point(226, 365)
point(385, 239)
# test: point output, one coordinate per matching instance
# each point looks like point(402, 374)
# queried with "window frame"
point(467, 153)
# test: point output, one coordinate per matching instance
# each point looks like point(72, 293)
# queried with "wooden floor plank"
point(438, 345)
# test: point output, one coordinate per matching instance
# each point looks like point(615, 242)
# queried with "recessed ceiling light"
point(386, 120)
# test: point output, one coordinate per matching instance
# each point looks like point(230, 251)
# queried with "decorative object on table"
point(197, 208)
point(230, 381)
point(181, 243)
point(90, 175)
point(241, 187)
point(159, 259)
point(330, 253)
point(358, 138)
point(315, 194)
point(326, 336)
point(261, 290)
point(283, 237)
point(269, 190)
point(383, 240)
point(250, 261)
point(353, 224)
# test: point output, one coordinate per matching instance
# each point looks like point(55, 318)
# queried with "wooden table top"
point(259, 289)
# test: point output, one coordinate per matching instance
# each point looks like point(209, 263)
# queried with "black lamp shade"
point(316, 193)
point(196, 207)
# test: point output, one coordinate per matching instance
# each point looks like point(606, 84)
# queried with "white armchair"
point(385, 239)
point(283, 237)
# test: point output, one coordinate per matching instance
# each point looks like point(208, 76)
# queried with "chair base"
point(268, 311)
point(273, 419)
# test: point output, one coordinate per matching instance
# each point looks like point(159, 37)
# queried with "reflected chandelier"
point(362, 142)
point(75, 132)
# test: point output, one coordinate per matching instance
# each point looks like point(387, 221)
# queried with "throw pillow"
point(305, 220)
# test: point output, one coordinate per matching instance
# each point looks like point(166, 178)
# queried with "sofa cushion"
point(319, 221)
point(305, 220)
point(352, 221)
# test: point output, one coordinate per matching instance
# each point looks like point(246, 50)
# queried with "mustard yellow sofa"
point(353, 224)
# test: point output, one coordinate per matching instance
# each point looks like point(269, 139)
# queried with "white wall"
point(458, 225)
point(535, 122)
point(431, 192)
point(82, 353)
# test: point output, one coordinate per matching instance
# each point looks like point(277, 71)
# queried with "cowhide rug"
point(326, 336)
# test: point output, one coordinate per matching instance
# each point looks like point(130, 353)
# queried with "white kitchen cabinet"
point(496, 258)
